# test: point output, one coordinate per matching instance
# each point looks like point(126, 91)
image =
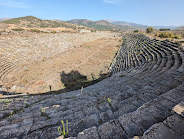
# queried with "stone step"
point(135, 123)
point(172, 127)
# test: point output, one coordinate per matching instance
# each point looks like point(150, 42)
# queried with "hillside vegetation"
point(100, 25)
point(33, 22)
point(166, 33)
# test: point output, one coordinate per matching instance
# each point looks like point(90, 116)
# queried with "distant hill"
point(138, 26)
point(3, 19)
point(33, 22)
point(180, 28)
point(100, 25)
point(170, 27)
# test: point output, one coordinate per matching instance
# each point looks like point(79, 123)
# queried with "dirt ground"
point(82, 64)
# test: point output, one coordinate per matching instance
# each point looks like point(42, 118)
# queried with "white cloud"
point(13, 4)
point(112, 1)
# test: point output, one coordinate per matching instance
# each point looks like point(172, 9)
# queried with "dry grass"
point(91, 60)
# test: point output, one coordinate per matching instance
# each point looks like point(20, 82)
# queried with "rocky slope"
point(143, 97)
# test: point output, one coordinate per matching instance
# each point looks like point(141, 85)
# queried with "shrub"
point(177, 37)
point(135, 31)
point(164, 29)
point(168, 35)
point(149, 30)
point(17, 29)
point(53, 32)
point(165, 35)
point(35, 30)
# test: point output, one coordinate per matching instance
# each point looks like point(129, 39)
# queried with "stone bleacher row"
point(147, 82)
point(140, 50)
point(6, 66)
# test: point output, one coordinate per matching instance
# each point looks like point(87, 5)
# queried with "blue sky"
point(148, 12)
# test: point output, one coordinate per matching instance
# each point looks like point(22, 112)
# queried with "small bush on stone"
point(42, 109)
point(6, 100)
point(64, 133)
point(11, 115)
point(109, 100)
point(82, 90)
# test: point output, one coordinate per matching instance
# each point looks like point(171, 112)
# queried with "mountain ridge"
point(100, 25)
point(141, 26)
point(34, 22)
point(106, 24)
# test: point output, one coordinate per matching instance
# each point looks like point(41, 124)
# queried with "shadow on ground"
point(73, 80)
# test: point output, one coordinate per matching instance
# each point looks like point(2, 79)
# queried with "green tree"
point(136, 31)
point(149, 30)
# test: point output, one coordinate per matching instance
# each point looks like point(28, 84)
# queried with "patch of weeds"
point(6, 100)
point(82, 90)
point(53, 32)
point(17, 29)
point(15, 111)
point(44, 114)
point(11, 115)
point(64, 133)
point(43, 109)
point(93, 76)
point(109, 100)
point(74, 97)
point(25, 101)
point(25, 97)
point(62, 85)
point(35, 30)
point(104, 99)
point(27, 105)
point(87, 46)
point(6, 106)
